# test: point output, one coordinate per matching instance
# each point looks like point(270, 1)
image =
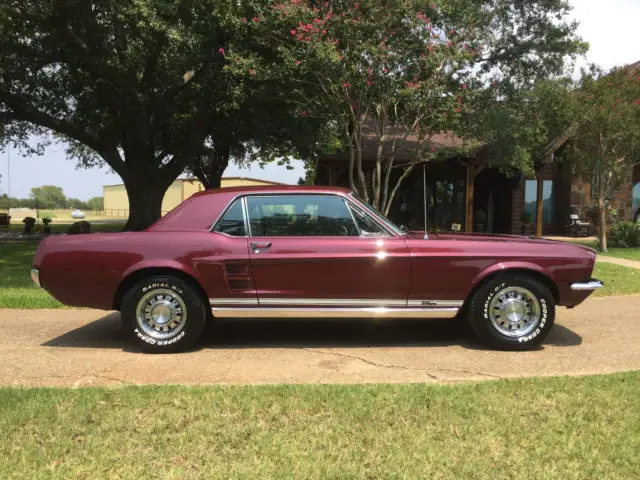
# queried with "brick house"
point(458, 188)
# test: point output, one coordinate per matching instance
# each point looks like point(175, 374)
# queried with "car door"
point(308, 249)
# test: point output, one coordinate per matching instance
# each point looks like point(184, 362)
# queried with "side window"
point(232, 222)
point(300, 215)
point(368, 227)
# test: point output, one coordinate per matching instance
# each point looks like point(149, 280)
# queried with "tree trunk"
point(603, 224)
point(210, 171)
point(145, 203)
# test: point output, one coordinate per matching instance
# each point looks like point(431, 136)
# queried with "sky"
point(612, 29)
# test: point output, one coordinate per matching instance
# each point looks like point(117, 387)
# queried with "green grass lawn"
point(627, 253)
point(63, 227)
point(618, 280)
point(18, 291)
point(16, 288)
point(565, 428)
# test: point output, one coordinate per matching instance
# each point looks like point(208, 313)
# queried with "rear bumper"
point(35, 276)
point(591, 285)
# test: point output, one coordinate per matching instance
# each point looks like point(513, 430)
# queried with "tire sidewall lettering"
point(167, 286)
point(544, 315)
point(159, 343)
point(492, 293)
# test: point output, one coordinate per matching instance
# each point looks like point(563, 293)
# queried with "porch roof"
point(405, 147)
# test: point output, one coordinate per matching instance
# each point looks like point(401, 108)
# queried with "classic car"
point(310, 252)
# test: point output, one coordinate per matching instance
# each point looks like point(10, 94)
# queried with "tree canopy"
point(151, 87)
point(606, 139)
point(138, 84)
point(392, 71)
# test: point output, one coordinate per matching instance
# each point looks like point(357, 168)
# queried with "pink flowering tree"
point(389, 76)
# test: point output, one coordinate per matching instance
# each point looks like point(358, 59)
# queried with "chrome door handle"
point(256, 246)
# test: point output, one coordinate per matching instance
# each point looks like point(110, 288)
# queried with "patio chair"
point(577, 227)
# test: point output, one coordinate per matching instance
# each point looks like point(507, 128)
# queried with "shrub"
point(46, 220)
point(625, 235)
point(29, 222)
point(79, 227)
point(526, 217)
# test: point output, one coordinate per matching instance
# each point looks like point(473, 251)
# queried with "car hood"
point(496, 238)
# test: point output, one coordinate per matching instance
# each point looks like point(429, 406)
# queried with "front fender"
point(507, 266)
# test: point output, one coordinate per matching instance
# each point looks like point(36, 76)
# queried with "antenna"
point(424, 196)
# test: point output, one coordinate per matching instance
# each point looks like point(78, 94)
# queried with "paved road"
point(85, 347)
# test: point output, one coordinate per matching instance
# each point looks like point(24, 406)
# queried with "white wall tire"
point(512, 312)
point(163, 314)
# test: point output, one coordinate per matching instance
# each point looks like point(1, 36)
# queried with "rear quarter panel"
point(448, 269)
point(86, 270)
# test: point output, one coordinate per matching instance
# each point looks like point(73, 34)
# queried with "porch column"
point(468, 227)
point(539, 186)
point(472, 173)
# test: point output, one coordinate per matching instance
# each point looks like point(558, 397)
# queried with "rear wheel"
point(163, 313)
point(512, 312)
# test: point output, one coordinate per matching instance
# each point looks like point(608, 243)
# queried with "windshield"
point(380, 218)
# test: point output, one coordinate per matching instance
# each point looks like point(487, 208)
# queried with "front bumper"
point(35, 276)
point(591, 285)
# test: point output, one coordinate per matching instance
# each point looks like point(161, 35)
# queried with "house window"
point(530, 193)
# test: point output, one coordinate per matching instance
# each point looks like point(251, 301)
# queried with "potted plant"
point(46, 221)
point(527, 219)
point(29, 222)
point(480, 218)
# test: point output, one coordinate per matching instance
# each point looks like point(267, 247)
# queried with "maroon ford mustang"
point(309, 252)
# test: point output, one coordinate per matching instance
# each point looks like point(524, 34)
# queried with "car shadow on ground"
point(106, 332)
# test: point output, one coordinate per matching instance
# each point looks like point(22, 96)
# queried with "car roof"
point(274, 189)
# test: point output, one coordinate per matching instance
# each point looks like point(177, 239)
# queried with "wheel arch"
point(536, 274)
point(133, 277)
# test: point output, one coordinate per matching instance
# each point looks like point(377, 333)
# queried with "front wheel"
point(163, 314)
point(512, 312)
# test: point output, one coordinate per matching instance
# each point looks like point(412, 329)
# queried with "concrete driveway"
point(85, 347)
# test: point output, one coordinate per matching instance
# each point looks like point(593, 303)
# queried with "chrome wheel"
point(161, 314)
point(514, 311)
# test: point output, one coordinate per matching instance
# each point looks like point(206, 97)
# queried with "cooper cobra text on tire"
point(163, 314)
point(512, 312)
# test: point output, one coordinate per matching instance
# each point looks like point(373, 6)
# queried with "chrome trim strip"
point(337, 302)
point(355, 302)
point(353, 218)
point(379, 219)
point(376, 312)
point(35, 276)
point(435, 303)
point(354, 203)
point(245, 214)
point(234, 301)
point(591, 285)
